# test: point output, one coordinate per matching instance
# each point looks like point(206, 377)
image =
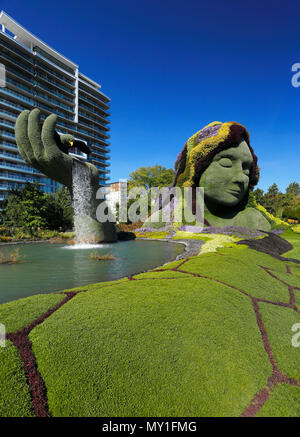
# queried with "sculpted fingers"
point(48, 138)
point(22, 139)
point(58, 164)
point(34, 135)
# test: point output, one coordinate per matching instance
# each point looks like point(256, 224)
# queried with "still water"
point(53, 267)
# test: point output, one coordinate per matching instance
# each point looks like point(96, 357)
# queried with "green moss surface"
point(15, 400)
point(176, 345)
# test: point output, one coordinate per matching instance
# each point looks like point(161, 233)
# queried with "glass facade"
point(38, 76)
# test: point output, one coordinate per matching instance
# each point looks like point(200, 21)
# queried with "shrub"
point(291, 213)
point(271, 218)
point(5, 238)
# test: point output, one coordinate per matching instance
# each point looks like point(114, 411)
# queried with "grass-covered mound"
point(206, 336)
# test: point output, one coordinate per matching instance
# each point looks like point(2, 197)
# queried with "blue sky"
point(173, 66)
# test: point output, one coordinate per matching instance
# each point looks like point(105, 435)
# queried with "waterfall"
point(82, 203)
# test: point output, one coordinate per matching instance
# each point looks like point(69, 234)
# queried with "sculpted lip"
point(235, 192)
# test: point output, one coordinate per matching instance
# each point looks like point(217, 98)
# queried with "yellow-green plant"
point(296, 229)
point(272, 217)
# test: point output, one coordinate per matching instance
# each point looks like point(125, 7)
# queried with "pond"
point(53, 267)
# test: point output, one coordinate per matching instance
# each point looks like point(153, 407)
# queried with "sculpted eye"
point(225, 162)
point(246, 169)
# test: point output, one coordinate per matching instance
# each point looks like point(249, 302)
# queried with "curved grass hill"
point(210, 335)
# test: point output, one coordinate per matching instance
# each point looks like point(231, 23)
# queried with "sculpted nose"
point(239, 175)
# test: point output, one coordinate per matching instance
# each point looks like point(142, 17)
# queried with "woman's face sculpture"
point(226, 180)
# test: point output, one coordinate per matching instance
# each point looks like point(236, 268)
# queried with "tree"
point(259, 196)
point(273, 190)
point(25, 208)
point(30, 209)
point(148, 177)
point(293, 188)
point(274, 200)
point(59, 211)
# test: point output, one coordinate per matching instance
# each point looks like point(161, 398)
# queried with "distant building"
point(116, 193)
point(39, 76)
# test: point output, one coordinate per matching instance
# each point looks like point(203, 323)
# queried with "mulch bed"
point(273, 245)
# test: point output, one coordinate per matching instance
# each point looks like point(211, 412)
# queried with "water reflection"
point(55, 267)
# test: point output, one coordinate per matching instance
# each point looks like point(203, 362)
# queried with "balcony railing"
point(17, 84)
point(10, 155)
point(97, 99)
point(95, 128)
point(7, 134)
point(6, 123)
point(19, 167)
point(94, 104)
point(53, 82)
point(11, 146)
point(13, 177)
point(54, 73)
point(90, 117)
point(17, 95)
point(55, 102)
point(11, 104)
point(17, 51)
point(56, 93)
point(14, 61)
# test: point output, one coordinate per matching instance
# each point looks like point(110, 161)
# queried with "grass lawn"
point(294, 239)
point(15, 397)
point(192, 338)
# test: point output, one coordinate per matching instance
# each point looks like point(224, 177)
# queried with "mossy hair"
point(199, 150)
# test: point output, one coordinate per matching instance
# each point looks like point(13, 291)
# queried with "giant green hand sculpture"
point(41, 147)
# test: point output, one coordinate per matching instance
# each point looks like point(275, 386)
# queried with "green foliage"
point(30, 211)
point(26, 209)
point(278, 203)
point(59, 211)
point(291, 213)
point(251, 203)
point(148, 177)
point(294, 189)
point(259, 195)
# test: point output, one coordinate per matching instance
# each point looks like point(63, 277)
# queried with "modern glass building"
point(38, 76)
